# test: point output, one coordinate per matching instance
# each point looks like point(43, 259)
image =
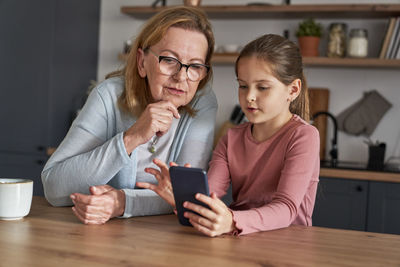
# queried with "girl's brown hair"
point(136, 95)
point(286, 64)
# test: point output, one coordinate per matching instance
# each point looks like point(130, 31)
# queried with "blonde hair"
point(287, 65)
point(136, 95)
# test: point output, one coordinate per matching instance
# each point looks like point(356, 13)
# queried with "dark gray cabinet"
point(358, 205)
point(384, 208)
point(341, 204)
point(48, 52)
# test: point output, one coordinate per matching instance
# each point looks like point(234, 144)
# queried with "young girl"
point(272, 161)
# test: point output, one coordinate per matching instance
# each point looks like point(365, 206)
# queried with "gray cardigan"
point(93, 152)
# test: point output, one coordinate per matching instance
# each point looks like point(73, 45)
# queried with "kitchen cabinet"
point(384, 208)
point(363, 11)
point(48, 57)
point(358, 205)
point(341, 204)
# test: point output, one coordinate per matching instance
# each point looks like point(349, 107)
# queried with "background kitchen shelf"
point(284, 11)
point(230, 58)
point(363, 11)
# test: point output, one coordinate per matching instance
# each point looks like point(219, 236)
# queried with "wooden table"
point(51, 236)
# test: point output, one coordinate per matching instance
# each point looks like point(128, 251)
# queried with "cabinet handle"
point(359, 188)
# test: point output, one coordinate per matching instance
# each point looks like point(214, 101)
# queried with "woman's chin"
point(176, 102)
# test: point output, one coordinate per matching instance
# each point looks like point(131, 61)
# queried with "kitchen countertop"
point(51, 236)
point(358, 171)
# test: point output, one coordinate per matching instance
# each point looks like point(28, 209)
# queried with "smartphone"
point(186, 183)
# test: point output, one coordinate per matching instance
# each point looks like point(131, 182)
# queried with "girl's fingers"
point(163, 167)
point(154, 172)
point(201, 228)
point(199, 220)
point(214, 203)
point(205, 212)
point(147, 185)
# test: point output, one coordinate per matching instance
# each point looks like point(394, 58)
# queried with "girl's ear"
point(140, 63)
point(294, 90)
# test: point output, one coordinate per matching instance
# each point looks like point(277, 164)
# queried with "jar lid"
point(358, 33)
point(338, 25)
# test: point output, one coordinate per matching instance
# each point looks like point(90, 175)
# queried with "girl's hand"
point(164, 187)
point(104, 203)
point(155, 119)
point(215, 221)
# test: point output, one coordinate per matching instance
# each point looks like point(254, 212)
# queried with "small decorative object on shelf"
point(358, 43)
point(337, 40)
point(127, 46)
point(309, 34)
point(163, 3)
point(191, 2)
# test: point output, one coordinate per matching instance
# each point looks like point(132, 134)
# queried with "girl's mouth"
point(250, 109)
point(175, 91)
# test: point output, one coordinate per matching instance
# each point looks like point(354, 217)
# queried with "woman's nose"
point(181, 75)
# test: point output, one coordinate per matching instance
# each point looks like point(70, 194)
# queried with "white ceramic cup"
point(15, 198)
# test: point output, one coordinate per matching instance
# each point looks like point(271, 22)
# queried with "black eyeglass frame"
point(187, 66)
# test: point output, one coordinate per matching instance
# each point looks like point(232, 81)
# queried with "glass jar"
point(358, 43)
point(337, 40)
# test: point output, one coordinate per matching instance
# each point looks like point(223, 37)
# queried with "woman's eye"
point(242, 86)
point(169, 60)
point(196, 66)
point(262, 88)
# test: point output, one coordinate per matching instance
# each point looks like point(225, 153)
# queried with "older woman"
point(159, 106)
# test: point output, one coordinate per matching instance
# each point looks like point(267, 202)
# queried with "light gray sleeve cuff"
point(143, 202)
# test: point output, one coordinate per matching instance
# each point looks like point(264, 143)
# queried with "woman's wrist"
point(130, 142)
point(121, 198)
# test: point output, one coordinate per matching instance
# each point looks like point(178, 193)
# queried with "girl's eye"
point(242, 86)
point(262, 88)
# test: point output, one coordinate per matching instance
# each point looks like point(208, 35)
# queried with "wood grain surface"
point(51, 236)
point(319, 101)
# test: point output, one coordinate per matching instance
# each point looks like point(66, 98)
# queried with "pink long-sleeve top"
point(274, 182)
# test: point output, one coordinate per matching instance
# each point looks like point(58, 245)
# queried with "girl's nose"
point(251, 96)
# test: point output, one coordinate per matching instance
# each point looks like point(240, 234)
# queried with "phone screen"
point(186, 183)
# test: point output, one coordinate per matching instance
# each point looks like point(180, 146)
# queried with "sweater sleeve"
point(301, 161)
point(143, 202)
point(218, 173)
point(85, 157)
point(198, 140)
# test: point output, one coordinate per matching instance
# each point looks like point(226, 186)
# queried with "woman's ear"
point(140, 63)
point(294, 90)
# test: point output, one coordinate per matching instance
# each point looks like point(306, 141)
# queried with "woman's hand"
point(164, 187)
point(215, 221)
point(155, 119)
point(105, 203)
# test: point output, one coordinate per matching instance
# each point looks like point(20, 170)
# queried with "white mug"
point(15, 198)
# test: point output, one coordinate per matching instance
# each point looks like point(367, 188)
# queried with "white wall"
point(346, 85)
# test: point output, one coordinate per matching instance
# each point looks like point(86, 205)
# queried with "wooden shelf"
point(360, 175)
point(293, 11)
point(283, 11)
point(230, 58)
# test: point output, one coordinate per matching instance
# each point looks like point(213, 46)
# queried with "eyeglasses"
point(171, 66)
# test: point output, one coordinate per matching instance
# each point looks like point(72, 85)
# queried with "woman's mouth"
point(175, 91)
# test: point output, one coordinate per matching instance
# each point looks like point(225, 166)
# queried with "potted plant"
point(309, 34)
